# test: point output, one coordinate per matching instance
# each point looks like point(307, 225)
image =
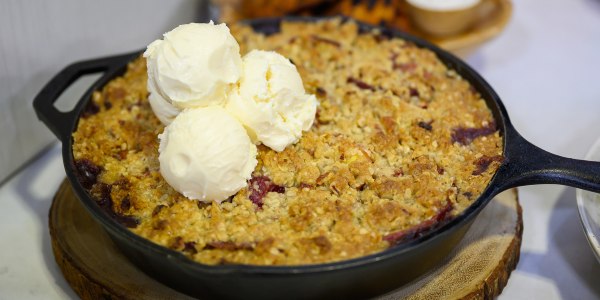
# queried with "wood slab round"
point(478, 268)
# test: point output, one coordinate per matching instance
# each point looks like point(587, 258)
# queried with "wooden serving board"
point(478, 268)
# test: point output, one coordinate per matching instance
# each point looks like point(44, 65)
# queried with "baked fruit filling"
point(400, 145)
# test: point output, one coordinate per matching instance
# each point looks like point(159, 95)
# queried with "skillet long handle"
point(60, 122)
point(527, 164)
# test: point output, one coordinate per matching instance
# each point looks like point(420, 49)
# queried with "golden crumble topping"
point(400, 144)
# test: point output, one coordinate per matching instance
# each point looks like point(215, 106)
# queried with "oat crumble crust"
point(400, 144)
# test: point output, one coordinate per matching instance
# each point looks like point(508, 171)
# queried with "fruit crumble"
point(400, 145)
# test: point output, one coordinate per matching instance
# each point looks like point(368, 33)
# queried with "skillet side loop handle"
point(58, 122)
point(527, 164)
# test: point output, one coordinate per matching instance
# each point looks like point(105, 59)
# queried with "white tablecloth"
point(545, 67)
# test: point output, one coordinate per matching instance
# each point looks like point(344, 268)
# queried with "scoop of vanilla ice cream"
point(162, 109)
point(270, 100)
point(193, 66)
point(206, 155)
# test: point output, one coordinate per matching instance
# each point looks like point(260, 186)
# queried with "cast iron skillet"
point(363, 277)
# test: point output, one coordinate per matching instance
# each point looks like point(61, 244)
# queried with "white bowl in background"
point(588, 204)
point(443, 17)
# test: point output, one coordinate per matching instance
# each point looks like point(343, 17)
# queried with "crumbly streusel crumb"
point(400, 143)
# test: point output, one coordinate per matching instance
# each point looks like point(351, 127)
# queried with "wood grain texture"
point(89, 260)
point(478, 268)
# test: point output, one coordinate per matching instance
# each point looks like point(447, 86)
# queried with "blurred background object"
point(443, 17)
point(38, 38)
point(458, 31)
point(391, 13)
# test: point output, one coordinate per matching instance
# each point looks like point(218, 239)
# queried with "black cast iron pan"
point(524, 164)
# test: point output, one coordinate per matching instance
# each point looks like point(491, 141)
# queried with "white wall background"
point(39, 37)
